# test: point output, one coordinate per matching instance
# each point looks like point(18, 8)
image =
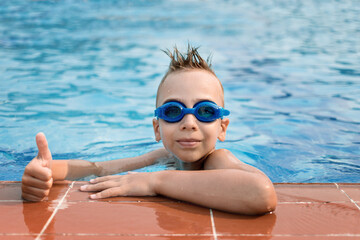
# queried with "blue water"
point(86, 72)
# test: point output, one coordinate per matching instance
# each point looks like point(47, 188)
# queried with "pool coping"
point(304, 211)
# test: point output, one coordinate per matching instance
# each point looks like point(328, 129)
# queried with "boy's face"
point(189, 139)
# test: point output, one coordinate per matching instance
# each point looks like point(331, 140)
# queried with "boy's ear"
point(156, 127)
point(224, 124)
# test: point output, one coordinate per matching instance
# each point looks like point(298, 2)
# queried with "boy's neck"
point(197, 165)
point(188, 166)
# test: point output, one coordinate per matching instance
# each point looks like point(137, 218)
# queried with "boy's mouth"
point(188, 142)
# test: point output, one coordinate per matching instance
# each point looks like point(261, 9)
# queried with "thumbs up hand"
point(37, 179)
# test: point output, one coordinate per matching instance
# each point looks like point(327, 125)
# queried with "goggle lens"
point(206, 111)
point(172, 111)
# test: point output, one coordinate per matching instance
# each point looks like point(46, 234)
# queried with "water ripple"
point(289, 69)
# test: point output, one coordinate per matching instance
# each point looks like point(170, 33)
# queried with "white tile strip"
point(213, 224)
point(55, 211)
point(347, 196)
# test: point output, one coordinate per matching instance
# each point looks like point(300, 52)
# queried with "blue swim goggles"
point(204, 111)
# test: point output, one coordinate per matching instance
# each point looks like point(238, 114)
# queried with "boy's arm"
point(230, 190)
point(132, 163)
point(226, 184)
point(40, 173)
point(75, 169)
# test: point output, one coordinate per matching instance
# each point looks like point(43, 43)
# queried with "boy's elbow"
point(269, 198)
point(263, 200)
point(266, 199)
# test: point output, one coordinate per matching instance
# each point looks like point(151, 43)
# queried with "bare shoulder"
point(225, 159)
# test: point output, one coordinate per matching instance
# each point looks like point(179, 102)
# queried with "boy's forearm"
point(59, 169)
point(132, 163)
point(72, 169)
point(226, 189)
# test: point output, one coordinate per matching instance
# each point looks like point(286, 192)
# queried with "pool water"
point(86, 72)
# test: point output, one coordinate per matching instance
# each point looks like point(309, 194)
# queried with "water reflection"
point(118, 217)
point(227, 223)
point(187, 218)
point(37, 214)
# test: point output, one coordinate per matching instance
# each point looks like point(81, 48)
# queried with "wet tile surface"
point(10, 191)
point(317, 219)
point(287, 237)
point(18, 237)
point(237, 224)
point(304, 211)
point(353, 191)
point(119, 237)
point(309, 193)
point(132, 218)
point(18, 217)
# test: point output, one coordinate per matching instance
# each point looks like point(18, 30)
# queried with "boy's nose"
point(189, 122)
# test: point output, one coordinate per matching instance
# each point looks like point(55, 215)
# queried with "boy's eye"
point(206, 111)
point(172, 111)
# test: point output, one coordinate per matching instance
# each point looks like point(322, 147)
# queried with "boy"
point(189, 120)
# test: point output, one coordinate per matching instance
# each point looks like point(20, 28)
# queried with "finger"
point(44, 151)
point(110, 192)
point(130, 172)
point(34, 193)
point(36, 183)
point(103, 179)
point(30, 197)
point(35, 171)
point(99, 186)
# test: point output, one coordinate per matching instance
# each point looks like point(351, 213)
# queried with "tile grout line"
point(54, 213)
point(351, 200)
point(213, 224)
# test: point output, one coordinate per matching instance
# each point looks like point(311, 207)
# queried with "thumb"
point(44, 151)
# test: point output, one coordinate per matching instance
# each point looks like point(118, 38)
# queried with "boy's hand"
point(37, 179)
point(132, 184)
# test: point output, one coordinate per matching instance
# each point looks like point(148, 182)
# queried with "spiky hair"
point(190, 60)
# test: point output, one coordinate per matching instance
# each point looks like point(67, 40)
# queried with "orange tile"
point(18, 217)
point(247, 237)
point(10, 191)
point(58, 190)
point(353, 190)
point(227, 223)
point(18, 237)
point(122, 237)
point(26, 217)
point(309, 193)
point(294, 219)
point(317, 219)
point(288, 237)
point(131, 218)
point(76, 195)
point(162, 218)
